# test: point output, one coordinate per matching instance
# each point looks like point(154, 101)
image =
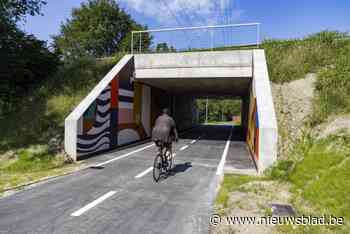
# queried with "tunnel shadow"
point(214, 133)
point(180, 168)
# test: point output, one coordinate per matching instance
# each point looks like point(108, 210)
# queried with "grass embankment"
point(31, 138)
point(319, 174)
point(317, 169)
point(325, 53)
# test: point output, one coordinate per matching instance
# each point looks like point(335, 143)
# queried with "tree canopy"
point(25, 61)
point(15, 10)
point(98, 28)
point(163, 47)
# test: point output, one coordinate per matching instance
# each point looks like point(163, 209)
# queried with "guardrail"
point(137, 35)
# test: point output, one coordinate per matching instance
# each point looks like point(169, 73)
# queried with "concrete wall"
point(75, 124)
point(262, 130)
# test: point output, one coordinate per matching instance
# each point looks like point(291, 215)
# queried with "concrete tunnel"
point(123, 106)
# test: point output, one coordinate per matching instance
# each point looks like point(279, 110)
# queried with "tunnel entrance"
point(189, 78)
point(122, 108)
point(221, 111)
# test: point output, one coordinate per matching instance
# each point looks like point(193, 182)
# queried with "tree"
point(16, 10)
point(25, 61)
point(97, 28)
point(163, 48)
point(219, 109)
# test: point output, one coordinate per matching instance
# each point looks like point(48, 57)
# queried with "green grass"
point(292, 59)
point(232, 183)
point(327, 54)
point(333, 88)
point(323, 175)
point(320, 175)
point(31, 163)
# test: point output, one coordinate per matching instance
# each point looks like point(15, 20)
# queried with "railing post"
point(132, 42)
point(140, 43)
point(258, 36)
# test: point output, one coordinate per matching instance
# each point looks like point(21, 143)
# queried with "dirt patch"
point(334, 125)
point(253, 200)
point(293, 105)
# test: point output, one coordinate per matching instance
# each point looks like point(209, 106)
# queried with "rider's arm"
point(175, 131)
point(175, 134)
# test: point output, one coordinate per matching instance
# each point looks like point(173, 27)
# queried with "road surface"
point(120, 196)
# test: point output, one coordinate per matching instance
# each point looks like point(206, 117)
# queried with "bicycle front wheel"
point(157, 167)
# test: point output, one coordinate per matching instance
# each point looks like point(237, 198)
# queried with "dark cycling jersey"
point(164, 129)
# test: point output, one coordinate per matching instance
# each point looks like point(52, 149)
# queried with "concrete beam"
point(194, 72)
point(239, 58)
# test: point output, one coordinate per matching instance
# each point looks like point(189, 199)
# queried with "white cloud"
point(185, 12)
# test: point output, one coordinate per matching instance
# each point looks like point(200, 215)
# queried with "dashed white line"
point(93, 204)
point(220, 168)
point(144, 172)
point(194, 141)
point(183, 147)
point(123, 156)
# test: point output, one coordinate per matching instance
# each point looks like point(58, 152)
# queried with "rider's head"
point(165, 111)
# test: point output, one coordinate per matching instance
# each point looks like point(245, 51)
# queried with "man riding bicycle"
point(163, 134)
point(164, 131)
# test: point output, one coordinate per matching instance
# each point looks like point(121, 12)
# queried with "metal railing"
point(184, 29)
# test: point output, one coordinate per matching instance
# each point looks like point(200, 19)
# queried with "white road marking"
point(194, 141)
point(183, 147)
point(93, 204)
point(148, 170)
point(123, 156)
point(144, 172)
point(221, 165)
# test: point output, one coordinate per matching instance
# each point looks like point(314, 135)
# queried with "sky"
point(280, 19)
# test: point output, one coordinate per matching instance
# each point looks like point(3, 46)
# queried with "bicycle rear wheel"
point(170, 159)
point(157, 167)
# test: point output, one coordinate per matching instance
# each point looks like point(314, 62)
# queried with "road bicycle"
point(163, 161)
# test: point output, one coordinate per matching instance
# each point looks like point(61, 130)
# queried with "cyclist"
point(164, 131)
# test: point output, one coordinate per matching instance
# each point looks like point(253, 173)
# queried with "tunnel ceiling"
point(237, 86)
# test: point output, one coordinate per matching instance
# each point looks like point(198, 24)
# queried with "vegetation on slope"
point(316, 169)
point(327, 54)
point(31, 138)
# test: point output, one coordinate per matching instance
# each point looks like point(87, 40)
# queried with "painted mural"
point(253, 129)
point(120, 115)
